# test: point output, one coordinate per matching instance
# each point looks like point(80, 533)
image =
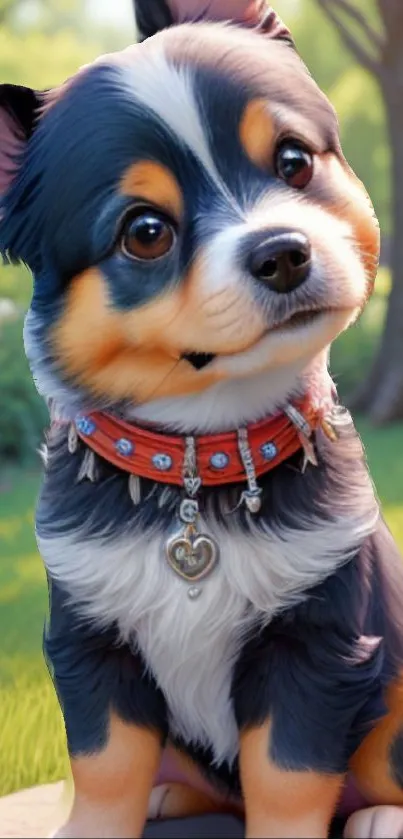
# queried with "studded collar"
point(221, 458)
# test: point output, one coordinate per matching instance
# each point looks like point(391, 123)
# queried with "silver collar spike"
point(251, 497)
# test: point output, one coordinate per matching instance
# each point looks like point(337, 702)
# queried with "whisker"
point(163, 380)
point(215, 295)
point(231, 324)
point(176, 315)
point(216, 313)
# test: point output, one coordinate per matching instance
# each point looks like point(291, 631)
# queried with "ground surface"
point(30, 813)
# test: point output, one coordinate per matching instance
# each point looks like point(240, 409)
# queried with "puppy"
point(225, 598)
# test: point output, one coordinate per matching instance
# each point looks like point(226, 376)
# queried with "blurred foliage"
point(22, 414)
point(43, 42)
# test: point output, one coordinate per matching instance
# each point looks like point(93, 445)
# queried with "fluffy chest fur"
point(191, 647)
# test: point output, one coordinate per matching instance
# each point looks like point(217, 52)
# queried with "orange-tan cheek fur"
point(352, 204)
point(91, 345)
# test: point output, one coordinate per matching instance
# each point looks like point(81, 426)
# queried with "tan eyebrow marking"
point(257, 132)
point(155, 183)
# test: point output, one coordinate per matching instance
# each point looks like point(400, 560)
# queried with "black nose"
point(282, 260)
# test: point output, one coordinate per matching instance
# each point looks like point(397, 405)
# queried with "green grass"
point(32, 746)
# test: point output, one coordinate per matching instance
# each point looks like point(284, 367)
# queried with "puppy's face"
point(189, 217)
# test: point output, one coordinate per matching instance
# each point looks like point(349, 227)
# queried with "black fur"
point(152, 16)
point(93, 675)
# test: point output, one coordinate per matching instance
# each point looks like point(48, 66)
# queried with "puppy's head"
point(188, 215)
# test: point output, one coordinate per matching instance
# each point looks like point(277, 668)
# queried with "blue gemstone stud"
point(124, 447)
point(219, 460)
point(85, 426)
point(162, 462)
point(269, 451)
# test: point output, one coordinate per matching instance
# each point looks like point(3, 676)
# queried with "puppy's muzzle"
point(280, 260)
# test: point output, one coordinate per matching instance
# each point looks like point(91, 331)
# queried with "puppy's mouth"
point(301, 318)
point(200, 360)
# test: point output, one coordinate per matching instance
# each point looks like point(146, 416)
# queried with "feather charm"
point(72, 440)
point(135, 489)
point(89, 468)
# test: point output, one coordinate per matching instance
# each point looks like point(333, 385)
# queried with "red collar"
point(160, 457)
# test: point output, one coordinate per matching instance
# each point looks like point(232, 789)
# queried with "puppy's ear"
point(18, 111)
point(154, 15)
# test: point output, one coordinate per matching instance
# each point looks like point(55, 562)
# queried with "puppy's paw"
point(375, 823)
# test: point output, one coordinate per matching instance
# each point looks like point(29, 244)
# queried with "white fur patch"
point(168, 91)
point(191, 646)
point(225, 406)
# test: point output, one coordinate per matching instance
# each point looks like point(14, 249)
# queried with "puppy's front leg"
point(280, 803)
point(298, 692)
point(112, 787)
point(115, 719)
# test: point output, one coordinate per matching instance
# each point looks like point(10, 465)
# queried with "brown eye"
point(148, 236)
point(294, 164)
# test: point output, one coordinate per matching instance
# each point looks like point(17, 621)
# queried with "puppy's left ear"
point(154, 15)
point(19, 108)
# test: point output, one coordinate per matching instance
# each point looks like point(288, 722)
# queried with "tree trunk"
point(381, 395)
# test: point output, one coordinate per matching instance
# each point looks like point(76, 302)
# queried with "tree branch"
point(355, 14)
point(362, 55)
point(391, 12)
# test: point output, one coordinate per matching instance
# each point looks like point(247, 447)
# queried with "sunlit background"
point(41, 43)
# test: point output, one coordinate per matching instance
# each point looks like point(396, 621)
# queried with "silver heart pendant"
point(192, 555)
point(192, 485)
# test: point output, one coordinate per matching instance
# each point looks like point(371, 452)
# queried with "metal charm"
point(305, 435)
point(189, 510)
point(298, 420)
point(191, 554)
point(329, 429)
point(251, 497)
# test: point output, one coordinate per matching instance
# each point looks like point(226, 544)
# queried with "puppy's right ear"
point(19, 108)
